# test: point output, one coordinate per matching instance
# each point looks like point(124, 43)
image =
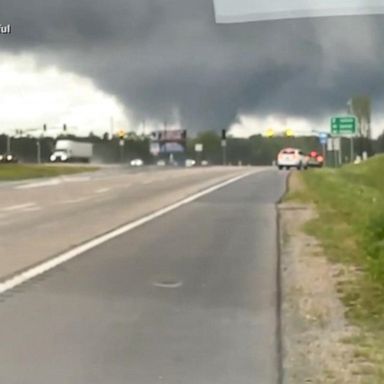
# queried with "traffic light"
point(289, 132)
point(223, 134)
point(65, 127)
point(184, 134)
point(45, 127)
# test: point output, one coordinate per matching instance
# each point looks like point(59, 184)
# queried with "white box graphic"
point(238, 11)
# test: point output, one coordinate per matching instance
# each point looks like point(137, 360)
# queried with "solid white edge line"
point(45, 266)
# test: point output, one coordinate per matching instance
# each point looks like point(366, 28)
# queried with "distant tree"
point(211, 146)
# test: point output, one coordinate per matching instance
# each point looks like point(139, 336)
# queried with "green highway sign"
point(344, 125)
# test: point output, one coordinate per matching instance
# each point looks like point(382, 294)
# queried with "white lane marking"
point(75, 252)
point(102, 190)
point(147, 181)
point(18, 207)
point(39, 184)
point(78, 200)
point(75, 179)
point(53, 182)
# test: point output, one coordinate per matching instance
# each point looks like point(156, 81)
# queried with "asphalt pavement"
point(41, 218)
point(188, 298)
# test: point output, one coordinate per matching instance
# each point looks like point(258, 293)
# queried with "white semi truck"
point(72, 151)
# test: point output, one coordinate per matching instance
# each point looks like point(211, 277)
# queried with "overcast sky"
point(165, 60)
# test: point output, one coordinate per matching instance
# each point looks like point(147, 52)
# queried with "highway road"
point(41, 218)
point(189, 297)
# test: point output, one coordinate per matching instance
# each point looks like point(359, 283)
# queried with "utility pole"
point(352, 144)
point(111, 127)
point(38, 144)
point(352, 149)
point(8, 144)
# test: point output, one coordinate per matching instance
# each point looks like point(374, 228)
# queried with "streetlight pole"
point(8, 144)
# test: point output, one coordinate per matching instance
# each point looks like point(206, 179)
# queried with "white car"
point(292, 158)
point(161, 163)
point(136, 163)
point(190, 162)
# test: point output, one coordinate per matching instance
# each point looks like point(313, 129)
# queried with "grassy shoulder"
point(350, 227)
point(10, 172)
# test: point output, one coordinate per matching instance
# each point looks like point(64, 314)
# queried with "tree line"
point(255, 150)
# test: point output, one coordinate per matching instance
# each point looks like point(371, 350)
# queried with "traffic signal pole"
point(224, 151)
point(224, 146)
point(121, 145)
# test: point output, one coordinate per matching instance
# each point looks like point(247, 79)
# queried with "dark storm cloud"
point(158, 56)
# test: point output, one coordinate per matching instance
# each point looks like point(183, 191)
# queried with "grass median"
point(350, 226)
point(12, 172)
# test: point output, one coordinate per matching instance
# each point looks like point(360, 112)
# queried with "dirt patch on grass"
point(315, 330)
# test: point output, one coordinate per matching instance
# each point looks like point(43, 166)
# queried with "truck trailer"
point(72, 151)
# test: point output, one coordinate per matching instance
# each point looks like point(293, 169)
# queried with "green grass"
point(350, 226)
point(9, 172)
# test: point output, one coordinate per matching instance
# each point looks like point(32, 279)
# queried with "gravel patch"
point(313, 323)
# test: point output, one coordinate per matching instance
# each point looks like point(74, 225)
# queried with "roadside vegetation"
point(9, 172)
point(350, 227)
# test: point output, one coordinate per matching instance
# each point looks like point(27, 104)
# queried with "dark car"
point(315, 159)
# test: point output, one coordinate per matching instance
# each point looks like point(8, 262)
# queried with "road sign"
point(333, 144)
point(336, 143)
point(198, 147)
point(344, 125)
point(323, 137)
point(154, 148)
point(269, 132)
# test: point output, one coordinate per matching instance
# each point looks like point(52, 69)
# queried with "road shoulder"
point(316, 334)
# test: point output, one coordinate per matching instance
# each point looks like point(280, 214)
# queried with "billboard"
point(168, 141)
point(171, 148)
point(174, 135)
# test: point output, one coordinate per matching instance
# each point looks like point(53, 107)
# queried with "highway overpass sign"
point(343, 125)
